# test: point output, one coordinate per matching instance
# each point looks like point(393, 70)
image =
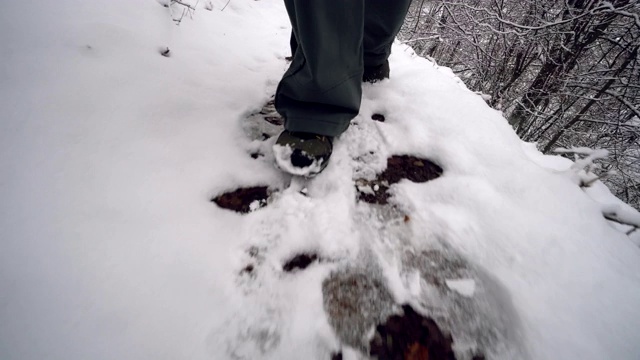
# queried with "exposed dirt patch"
point(355, 302)
point(373, 191)
point(275, 120)
point(411, 336)
point(243, 200)
point(399, 167)
point(270, 114)
point(378, 117)
point(254, 252)
point(269, 106)
point(299, 262)
point(248, 270)
point(263, 124)
point(411, 168)
point(256, 258)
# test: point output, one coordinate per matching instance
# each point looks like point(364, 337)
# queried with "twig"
point(434, 37)
point(178, 21)
point(588, 183)
point(225, 5)
point(613, 217)
point(183, 4)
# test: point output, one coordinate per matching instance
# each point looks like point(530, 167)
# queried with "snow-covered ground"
point(110, 152)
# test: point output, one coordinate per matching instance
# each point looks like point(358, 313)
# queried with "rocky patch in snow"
point(356, 302)
point(264, 123)
point(300, 262)
point(243, 200)
point(411, 336)
point(378, 117)
point(399, 167)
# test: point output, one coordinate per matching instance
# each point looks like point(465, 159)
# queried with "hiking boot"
point(373, 74)
point(302, 154)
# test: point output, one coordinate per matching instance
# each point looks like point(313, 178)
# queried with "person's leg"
point(321, 91)
point(383, 20)
point(293, 44)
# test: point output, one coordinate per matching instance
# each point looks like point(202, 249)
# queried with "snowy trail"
point(111, 249)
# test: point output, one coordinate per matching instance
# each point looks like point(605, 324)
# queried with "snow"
point(465, 287)
point(110, 153)
point(282, 155)
point(366, 189)
point(624, 214)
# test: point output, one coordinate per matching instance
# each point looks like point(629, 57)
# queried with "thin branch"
point(183, 4)
point(434, 37)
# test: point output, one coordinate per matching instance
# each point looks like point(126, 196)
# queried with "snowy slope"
point(110, 153)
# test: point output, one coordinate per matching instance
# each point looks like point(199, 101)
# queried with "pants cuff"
point(317, 126)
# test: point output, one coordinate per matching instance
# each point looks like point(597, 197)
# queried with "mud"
point(299, 262)
point(399, 167)
point(240, 200)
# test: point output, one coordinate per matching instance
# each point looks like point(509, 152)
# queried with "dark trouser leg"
point(293, 43)
point(321, 91)
point(382, 22)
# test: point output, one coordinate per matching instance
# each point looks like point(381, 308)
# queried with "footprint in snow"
point(455, 298)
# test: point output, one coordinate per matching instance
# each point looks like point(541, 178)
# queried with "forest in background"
point(564, 73)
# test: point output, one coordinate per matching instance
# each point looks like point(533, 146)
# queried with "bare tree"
point(564, 72)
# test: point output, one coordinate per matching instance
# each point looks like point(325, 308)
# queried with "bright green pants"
point(332, 41)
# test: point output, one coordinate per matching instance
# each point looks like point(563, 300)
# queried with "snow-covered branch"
point(564, 73)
